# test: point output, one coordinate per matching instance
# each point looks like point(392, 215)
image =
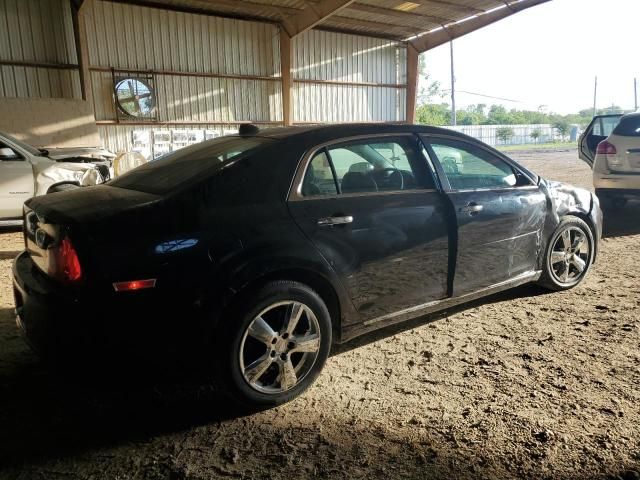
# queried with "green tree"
point(498, 115)
point(535, 135)
point(428, 90)
point(562, 127)
point(504, 134)
point(433, 114)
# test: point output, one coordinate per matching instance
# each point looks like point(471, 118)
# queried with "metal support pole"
point(453, 88)
point(595, 97)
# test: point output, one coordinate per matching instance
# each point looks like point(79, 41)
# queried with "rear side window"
point(187, 165)
point(629, 126)
point(319, 179)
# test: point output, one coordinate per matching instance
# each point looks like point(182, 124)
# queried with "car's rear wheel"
point(276, 345)
point(569, 255)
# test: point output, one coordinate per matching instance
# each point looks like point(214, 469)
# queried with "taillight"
point(67, 264)
point(606, 148)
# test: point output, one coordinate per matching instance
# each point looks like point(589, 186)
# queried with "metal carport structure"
point(218, 63)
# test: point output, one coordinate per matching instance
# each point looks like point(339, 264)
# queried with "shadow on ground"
point(622, 221)
point(45, 416)
point(530, 290)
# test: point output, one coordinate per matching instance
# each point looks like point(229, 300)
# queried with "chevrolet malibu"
point(260, 251)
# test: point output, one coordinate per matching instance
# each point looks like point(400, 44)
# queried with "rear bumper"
point(617, 193)
point(630, 182)
point(145, 327)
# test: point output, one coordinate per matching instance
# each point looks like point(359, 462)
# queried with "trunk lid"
point(627, 158)
point(82, 216)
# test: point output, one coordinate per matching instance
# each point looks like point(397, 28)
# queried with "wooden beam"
point(399, 14)
point(439, 37)
point(82, 48)
point(412, 83)
point(286, 52)
point(312, 15)
point(469, 10)
point(382, 30)
point(54, 66)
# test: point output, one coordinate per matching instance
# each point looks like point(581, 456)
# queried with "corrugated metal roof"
point(395, 19)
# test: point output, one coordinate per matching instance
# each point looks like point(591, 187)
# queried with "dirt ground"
point(523, 384)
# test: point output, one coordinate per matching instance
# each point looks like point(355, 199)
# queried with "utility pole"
point(453, 88)
point(595, 96)
point(635, 93)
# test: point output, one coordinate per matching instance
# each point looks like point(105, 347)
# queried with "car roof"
point(350, 129)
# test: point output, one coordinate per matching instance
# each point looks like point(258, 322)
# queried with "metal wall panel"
point(133, 37)
point(320, 55)
point(320, 103)
point(38, 31)
point(182, 48)
point(337, 57)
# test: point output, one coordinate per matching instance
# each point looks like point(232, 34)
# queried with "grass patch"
point(538, 146)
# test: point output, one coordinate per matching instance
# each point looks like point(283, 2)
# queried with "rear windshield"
point(628, 127)
point(182, 167)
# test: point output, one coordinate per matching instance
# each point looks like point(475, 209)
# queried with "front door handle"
point(335, 220)
point(471, 208)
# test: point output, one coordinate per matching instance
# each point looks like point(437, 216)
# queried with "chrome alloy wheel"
point(279, 347)
point(570, 255)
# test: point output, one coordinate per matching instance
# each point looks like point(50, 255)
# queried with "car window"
point(603, 126)
point(189, 164)
point(7, 153)
point(629, 126)
point(319, 179)
point(469, 167)
point(364, 166)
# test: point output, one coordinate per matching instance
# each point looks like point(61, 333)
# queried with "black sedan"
point(261, 250)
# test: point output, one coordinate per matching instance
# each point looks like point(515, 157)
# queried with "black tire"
point(233, 339)
point(551, 278)
point(62, 187)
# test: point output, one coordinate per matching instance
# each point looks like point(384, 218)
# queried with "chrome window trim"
point(295, 191)
point(362, 194)
point(489, 189)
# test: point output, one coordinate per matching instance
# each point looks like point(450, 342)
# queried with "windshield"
point(32, 150)
point(166, 174)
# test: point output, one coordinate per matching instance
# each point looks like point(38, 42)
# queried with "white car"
point(616, 166)
point(26, 171)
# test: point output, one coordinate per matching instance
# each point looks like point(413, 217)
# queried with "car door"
point(597, 131)
point(371, 208)
point(16, 182)
point(499, 211)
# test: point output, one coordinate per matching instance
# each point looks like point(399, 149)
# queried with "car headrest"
point(360, 167)
point(358, 182)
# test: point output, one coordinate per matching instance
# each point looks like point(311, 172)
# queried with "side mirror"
point(8, 154)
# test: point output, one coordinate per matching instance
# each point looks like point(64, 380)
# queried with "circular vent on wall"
point(135, 98)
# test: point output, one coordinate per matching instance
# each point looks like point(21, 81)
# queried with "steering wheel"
point(388, 174)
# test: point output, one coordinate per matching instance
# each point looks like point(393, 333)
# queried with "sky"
point(547, 57)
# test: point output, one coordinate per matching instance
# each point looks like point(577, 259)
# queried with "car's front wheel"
point(276, 345)
point(569, 255)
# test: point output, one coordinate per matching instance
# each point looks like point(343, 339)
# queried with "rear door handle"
point(335, 220)
point(471, 208)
